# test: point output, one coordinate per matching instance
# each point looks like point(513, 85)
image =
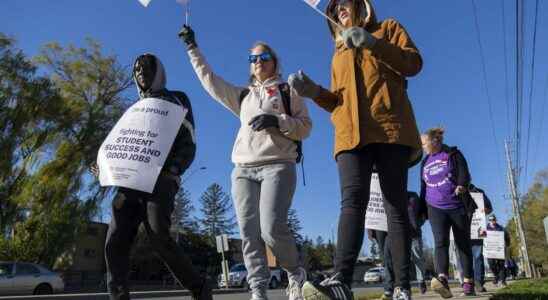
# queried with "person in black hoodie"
point(444, 194)
point(477, 246)
point(497, 266)
point(130, 207)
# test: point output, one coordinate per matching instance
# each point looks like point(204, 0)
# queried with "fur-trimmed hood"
point(365, 17)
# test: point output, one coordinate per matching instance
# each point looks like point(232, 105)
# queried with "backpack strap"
point(286, 99)
point(243, 94)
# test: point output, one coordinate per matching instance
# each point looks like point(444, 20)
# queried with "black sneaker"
point(203, 293)
point(119, 292)
point(422, 287)
point(330, 289)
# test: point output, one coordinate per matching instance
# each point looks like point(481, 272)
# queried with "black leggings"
point(442, 220)
point(355, 169)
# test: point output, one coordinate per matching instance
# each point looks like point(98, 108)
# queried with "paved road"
point(280, 295)
point(273, 295)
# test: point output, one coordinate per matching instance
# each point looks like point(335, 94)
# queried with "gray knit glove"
point(357, 37)
point(304, 86)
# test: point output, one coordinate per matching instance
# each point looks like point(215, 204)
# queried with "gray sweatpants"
point(262, 198)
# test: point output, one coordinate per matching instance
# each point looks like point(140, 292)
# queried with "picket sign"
point(375, 217)
point(135, 150)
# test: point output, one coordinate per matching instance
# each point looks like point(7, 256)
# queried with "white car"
point(19, 278)
point(237, 277)
point(374, 275)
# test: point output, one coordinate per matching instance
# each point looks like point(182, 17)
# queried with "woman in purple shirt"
point(444, 181)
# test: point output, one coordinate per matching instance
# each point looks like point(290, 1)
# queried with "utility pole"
point(517, 214)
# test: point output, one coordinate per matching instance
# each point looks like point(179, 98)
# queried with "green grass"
point(368, 296)
point(524, 290)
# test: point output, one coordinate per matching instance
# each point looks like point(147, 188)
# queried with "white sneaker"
point(401, 294)
point(296, 282)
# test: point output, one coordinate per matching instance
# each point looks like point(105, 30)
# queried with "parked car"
point(237, 277)
point(374, 275)
point(20, 278)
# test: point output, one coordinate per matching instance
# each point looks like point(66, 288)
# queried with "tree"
point(182, 212)
point(319, 242)
point(27, 122)
point(59, 193)
point(374, 249)
point(295, 226)
point(534, 209)
point(216, 209)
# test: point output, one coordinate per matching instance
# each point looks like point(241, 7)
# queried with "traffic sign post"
point(222, 246)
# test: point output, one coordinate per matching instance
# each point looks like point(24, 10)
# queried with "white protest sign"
point(375, 217)
point(493, 245)
point(479, 222)
point(135, 150)
point(145, 2)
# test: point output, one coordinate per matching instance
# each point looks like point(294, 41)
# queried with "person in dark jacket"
point(444, 188)
point(130, 207)
point(497, 265)
point(416, 219)
point(477, 246)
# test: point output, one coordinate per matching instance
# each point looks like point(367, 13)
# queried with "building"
point(84, 264)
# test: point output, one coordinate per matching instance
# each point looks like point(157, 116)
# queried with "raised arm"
point(221, 90)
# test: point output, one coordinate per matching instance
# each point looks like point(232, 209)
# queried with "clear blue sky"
point(449, 91)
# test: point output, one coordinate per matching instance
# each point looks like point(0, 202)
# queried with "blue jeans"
point(478, 264)
point(416, 258)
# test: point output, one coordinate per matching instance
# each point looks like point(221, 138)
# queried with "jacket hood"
point(159, 81)
point(449, 149)
point(270, 81)
point(365, 16)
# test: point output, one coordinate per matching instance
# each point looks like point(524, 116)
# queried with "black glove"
point(187, 35)
point(264, 121)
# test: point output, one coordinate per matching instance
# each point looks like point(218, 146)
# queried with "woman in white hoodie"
point(274, 120)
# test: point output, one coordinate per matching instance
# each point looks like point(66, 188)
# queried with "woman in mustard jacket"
point(374, 125)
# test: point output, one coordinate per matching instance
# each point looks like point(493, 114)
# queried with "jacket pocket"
point(394, 91)
point(342, 121)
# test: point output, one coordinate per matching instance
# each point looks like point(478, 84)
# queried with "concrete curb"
point(134, 295)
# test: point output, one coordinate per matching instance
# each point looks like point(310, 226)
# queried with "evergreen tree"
point(182, 212)
point(217, 212)
point(295, 226)
point(374, 250)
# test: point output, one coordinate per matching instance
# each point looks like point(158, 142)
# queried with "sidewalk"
point(491, 289)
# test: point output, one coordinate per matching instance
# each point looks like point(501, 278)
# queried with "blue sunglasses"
point(265, 56)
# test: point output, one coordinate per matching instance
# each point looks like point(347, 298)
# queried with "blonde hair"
point(275, 59)
point(435, 134)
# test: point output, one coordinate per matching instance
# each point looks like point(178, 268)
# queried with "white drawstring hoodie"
point(253, 148)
